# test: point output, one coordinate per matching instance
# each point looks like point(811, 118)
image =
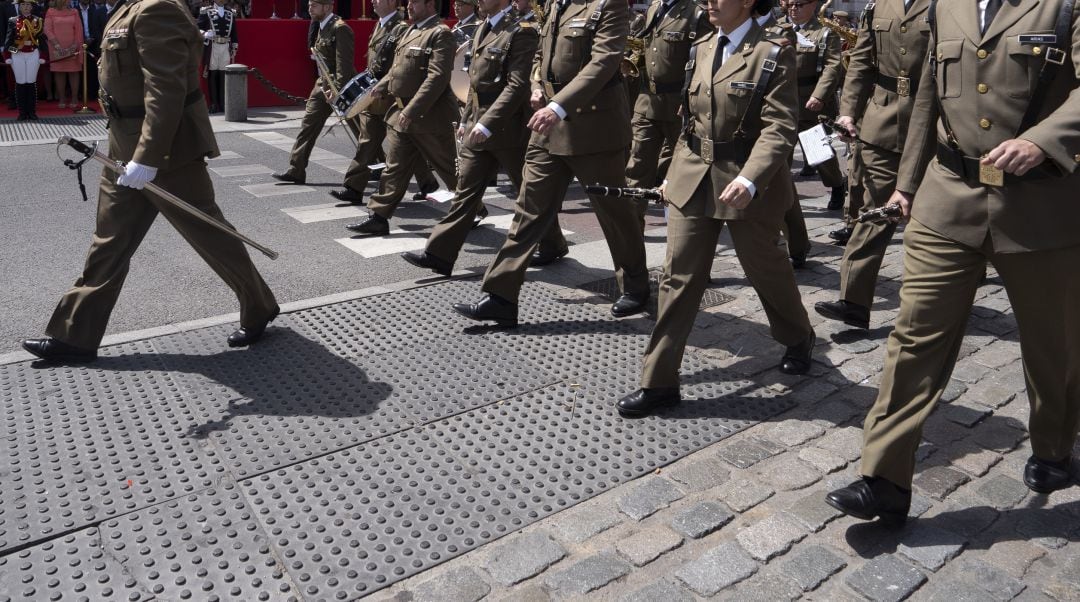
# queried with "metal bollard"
point(236, 92)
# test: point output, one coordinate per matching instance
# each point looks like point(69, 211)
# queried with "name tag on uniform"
point(743, 85)
point(495, 51)
point(118, 32)
point(803, 41)
point(674, 36)
point(1037, 38)
point(416, 48)
point(577, 23)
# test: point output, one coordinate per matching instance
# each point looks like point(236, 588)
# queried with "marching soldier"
point(996, 111)
point(160, 127)
point(671, 27)
point(882, 79)
point(370, 122)
point(218, 26)
point(332, 38)
point(730, 167)
point(581, 128)
point(493, 129)
point(820, 73)
point(421, 114)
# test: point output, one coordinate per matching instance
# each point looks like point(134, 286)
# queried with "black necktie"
point(718, 58)
point(484, 29)
point(664, 8)
point(991, 9)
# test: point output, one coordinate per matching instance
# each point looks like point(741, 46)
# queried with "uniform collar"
point(735, 38)
point(325, 21)
point(494, 19)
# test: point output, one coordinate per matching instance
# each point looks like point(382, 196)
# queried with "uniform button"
point(903, 51)
point(903, 29)
point(1077, 158)
point(594, 107)
point(984, 123)
point(981, 54)
point(708, 92)
point(982, 88)
point(940, 56)
point(1036, 51)
point(903, 73)
point(654, 49)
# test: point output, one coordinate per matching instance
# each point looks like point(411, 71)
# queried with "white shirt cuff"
point(554, 106)
point(483, 130)
point(749, 185)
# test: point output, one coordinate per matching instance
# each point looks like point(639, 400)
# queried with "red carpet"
point(44, 109)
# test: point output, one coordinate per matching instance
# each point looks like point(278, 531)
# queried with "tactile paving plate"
point(353, 522)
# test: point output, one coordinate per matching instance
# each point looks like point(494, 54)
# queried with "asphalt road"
point(47, 230)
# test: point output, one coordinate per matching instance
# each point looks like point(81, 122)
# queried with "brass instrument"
point(328, 84)
point(538, 10)
point(847, 34)
point(635, 54)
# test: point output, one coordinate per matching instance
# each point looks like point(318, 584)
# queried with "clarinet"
point(881, 214)
point(649, 194)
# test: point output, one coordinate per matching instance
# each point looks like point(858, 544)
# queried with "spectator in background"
point(92, 17)
point(22, 46)
point(64, 34)
point(8, 10)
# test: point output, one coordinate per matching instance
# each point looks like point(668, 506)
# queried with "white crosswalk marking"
point(241, 170)
point(398, 241)
point(321, 213)
point(226, 155)
point(274, 189)
point(319, 156)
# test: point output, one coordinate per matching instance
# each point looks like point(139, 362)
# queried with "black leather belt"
point(551, 88)
point(904, 86)
point(973, 172)
point(732, 150)
point(115, 111)
point(809, 80)
point(661, 88)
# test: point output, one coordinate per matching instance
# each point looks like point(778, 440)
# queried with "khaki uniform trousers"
point(123, 218)
point(856, 190)
point(941, 278)
point(316, 112)
point(691, 247)
point(650, 154)
point(866, 248)
point(544, 182)
point(372, 132)
point(476, 167)
point(794, 226)
point(406, 153)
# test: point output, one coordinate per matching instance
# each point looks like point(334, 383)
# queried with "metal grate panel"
point(48, 129)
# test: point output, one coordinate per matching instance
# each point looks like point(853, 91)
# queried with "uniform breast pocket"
point(574, 43)
point(1024, 63)
point(114, 55)
point(881, 34)
point(675, 46)
point(738, 98)
point(950, 74)
point(414, 58)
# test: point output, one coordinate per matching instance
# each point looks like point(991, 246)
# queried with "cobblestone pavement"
point(368, 447)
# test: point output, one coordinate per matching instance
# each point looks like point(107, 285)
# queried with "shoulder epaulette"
point(705, 36)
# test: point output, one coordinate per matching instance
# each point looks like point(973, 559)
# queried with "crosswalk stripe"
point(274, 189)
point(398, 241)
point(241, 170)
point(321, 213)
point(226, 155)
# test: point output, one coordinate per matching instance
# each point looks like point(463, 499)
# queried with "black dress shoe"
point(1046, 476)
point(423, 194)
point(480, 216)
point(798, 261)
point(872, 497)
point(428, 261)
point(628, 305)
point(289, 177)
point(53, 350)
point(542, 258)
point(374, 225)
point(836, 199)
point(847, 312)
point(348, 195)
point(841, 235)
point(374, 175)
point(490, 308)
point(246, 335)
point(797, 358)
point(645, 401)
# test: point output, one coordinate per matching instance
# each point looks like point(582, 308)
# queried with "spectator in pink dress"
point(63, 30)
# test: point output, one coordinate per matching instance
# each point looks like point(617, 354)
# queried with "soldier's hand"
point(905, 201)
point(735, 195)
point(404, 121)
point(543, 120)
point(476, 136)
point(536, 101)
point(136, 176)
point(1016, 156)
point(846, 127)
point(460, 134)
point(329, 94)
point(662, 190)
point(814, 105)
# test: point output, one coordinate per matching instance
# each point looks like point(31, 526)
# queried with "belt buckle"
point(707, 150)
point(990, 175)
point(903, 86)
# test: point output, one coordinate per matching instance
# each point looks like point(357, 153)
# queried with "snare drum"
point(354, 96)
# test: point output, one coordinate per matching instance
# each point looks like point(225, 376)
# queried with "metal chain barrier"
point(299, 100)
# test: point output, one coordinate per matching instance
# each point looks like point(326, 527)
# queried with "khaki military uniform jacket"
point(499, 82)
point(667, 48)
point(717, 102)
point(152, 65)
point(985, 83)
point(335, 43)
point(419, 79)
point(824, 49)
point(380, 56)
point(579, 71)
point(899, 43)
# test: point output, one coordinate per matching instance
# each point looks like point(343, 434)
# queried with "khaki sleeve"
point(779, 117)
point(608, 45)
point(833, 72)
point(345, 49)
point(921, 142)
point(861, 74)
point(440, 66)
point(1058, 134)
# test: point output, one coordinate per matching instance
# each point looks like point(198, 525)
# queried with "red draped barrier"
point(276, 47)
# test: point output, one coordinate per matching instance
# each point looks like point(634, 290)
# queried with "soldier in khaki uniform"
point(994, 160)
point(332, 38)
point(719, 177)
point(421, 117)
point(882, 78)
point(493, 129)
point(159, 125)
point(819, 74)
point(671, 26)
point(370, 122)
point(581, 128)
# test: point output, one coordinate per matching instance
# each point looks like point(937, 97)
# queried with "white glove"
point(208, 35)
point(136, 176)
